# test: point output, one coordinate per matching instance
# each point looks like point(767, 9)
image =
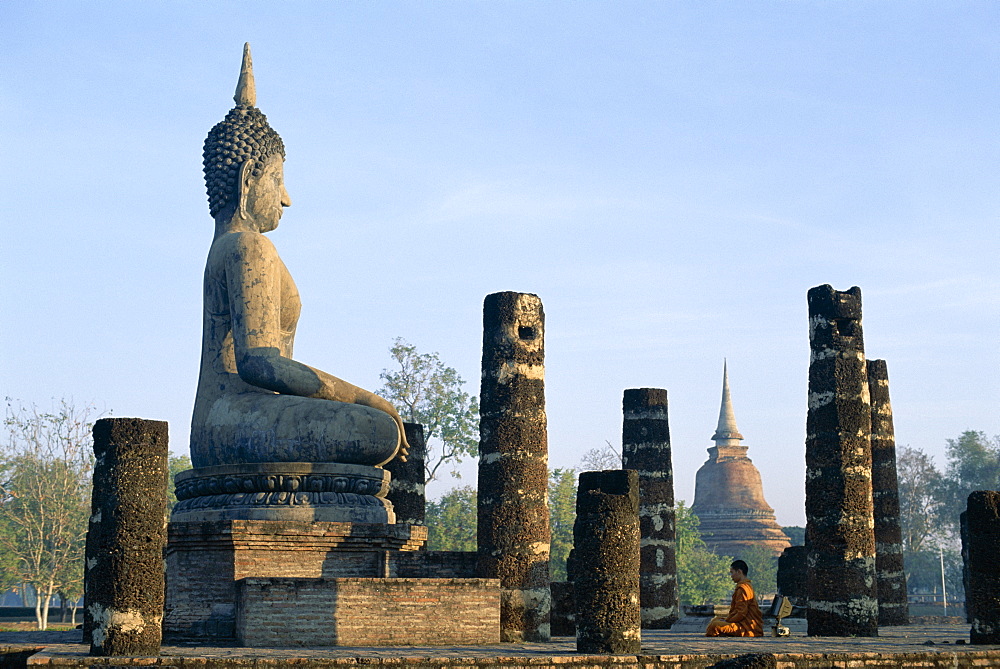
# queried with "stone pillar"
point(406, 487)
point(892, 605)
point(963, 532)
point(793, 574)
point(606, 541)
point(646, 449)
point(843, 595)
point(123, 581)
point(563, 612)
point(513, 527)
point(983, 518)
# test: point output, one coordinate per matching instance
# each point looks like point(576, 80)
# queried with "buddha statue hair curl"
point(244, 134)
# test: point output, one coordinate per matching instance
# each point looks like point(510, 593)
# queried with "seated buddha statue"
point(256, 403)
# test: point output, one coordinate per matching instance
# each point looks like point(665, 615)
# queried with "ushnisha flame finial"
point(244, 134)
point(246, 90)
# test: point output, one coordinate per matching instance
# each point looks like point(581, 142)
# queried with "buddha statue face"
point(262, 195)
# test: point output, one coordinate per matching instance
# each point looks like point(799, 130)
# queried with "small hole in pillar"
point(526, 332)
point(845, 327)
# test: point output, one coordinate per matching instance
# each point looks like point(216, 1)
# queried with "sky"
point(669, 177)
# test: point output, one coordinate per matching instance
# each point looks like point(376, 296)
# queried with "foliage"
point(923, 572)
point(702, 576)
point(920, 508)
point(175, 465)
point(974, 461)
point(10, 575)
point(973, 464)
point(45, 478)
point(562, 514)
point(425, 391)
point(763, 565)
point(602, 458)
point(931, 501)
point(451, 521)
point(796, 534)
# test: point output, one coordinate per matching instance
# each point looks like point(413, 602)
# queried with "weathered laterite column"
point(793, 574)
point(839, 522)
point(606, 542)
point(892, 605)
point(123, 581)
point(963, 533)
point(563, 612)
point(513, 527)
point(406, 487)
point(983, 518)
point(646, 449)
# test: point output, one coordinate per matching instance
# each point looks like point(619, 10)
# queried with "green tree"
point(175, 465)
point(763, 566)
point(702, 576)
point(562, 514)
point(973, 464)
point(451, 521)
point(45, 482)
point(10, 575)
point(796, 534)
point(426, 391)
point(921, 508)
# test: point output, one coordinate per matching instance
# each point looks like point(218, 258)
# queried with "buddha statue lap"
point(271, 438)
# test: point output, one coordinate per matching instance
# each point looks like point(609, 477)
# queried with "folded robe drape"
point(744, 619)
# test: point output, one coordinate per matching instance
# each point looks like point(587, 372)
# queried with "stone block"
point(750, 661)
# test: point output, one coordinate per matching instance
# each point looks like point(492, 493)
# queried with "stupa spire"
point(729, 495)
point(726, 434)
point(246, 90)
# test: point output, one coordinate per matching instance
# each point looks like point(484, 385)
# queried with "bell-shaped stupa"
point(728, 495)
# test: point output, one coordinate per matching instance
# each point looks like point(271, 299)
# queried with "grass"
point(33, 627)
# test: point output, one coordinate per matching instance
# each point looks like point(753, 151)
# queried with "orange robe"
point(744, 617)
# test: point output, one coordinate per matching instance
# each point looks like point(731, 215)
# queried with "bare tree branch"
point(45, 481)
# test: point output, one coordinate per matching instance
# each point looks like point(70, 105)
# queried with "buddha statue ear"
point(246, 172)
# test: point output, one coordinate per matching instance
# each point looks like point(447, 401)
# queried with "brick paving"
point(64, 648)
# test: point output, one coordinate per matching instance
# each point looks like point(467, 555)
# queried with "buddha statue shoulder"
point(255, 403)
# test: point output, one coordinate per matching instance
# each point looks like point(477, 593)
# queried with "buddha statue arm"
point(253, 272)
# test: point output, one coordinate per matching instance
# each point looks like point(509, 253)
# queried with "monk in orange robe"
point(744, 617)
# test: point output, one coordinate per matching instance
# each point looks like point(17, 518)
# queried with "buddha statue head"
point(240, 146)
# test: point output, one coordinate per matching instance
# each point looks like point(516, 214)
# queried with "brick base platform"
point(206, 559)
point(367, 612)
